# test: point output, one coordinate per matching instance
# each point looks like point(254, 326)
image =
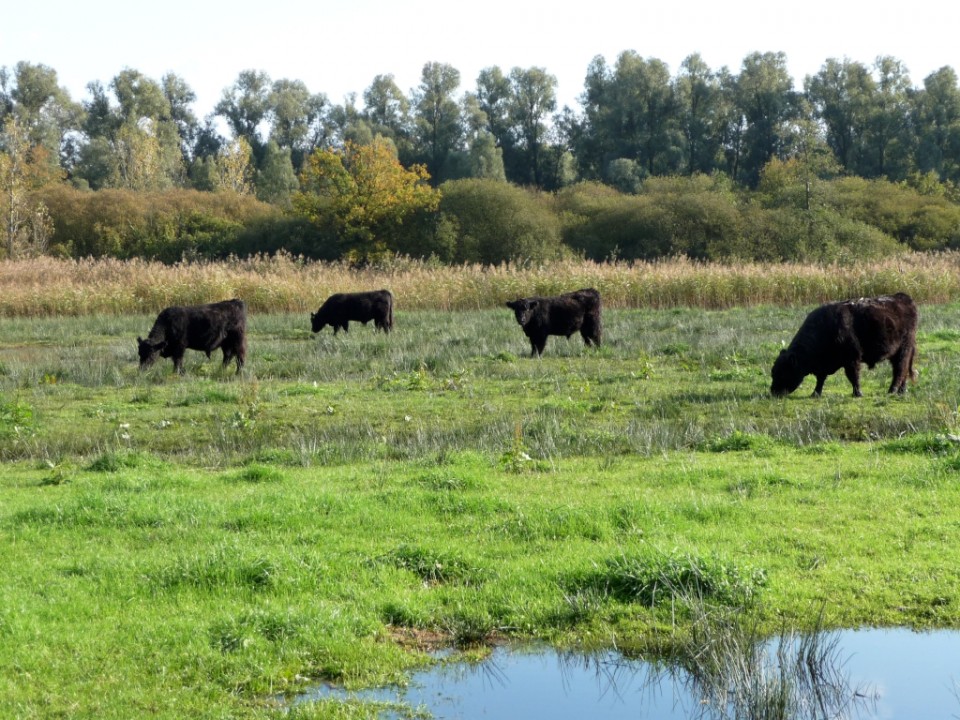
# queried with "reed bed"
point(59, 287)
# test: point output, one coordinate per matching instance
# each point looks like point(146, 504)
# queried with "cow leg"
point(178, 363)
point(240, 354)
point(852, 371)
point(901, 367)
point(818, 390)
point(539, 343)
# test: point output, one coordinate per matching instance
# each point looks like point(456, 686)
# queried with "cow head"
point(317, 323)
point(523, 309)
point(786, 374)
point(148, 351)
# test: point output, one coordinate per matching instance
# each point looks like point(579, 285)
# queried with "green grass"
point(201, 546)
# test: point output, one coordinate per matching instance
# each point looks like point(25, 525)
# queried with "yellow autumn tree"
point(365, 193)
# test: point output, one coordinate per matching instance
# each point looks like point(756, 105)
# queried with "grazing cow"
point(845, 334)
point(340, 308)
point(197, 327)
point(563, 315)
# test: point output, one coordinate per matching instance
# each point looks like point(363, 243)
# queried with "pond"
point(866, 674)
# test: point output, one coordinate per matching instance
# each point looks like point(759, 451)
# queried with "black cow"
point(845, 334)
point(339, 309)
point(197, 327)
point(563, 315)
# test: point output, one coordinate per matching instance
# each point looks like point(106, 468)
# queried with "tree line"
point(749, 134)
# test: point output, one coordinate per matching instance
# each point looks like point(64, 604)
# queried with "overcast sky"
point(339, 47)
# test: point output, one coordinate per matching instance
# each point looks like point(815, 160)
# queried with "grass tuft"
point(653, 578)
point(435, 566)
point(223, 569)
point(257, 474)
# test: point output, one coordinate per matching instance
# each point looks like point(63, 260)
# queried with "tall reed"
point(55, 287)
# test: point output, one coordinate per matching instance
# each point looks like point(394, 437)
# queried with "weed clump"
point(652, 578)
point(115, 461)
point(258, 474)
point(433, 566)
point(222, 569)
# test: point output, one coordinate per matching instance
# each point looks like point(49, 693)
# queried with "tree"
point(346, 123)
point(641, 114)
point(295, 116)
point(888, 137)
point(139, 158)
point(245, 106)
point(45, 112)
point(483, 158)
point(206, 148)
point(139, 97)
point(697, 94)
point(387, 110)
point(179, 96)
point(841, 94)
point(937, 118)
point(585, 134)
point(136, 143)
point(366, 193)
point(99, 120)
point(439, 129)
point(27, 225)
point(235, 167)
point(765, 99)
point(809, 159)
point(276, 179)
point(533, 98)
point(493, 101)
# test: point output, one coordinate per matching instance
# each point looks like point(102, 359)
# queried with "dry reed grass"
point(55, 287)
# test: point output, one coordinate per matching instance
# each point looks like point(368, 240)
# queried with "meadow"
point(205, 546)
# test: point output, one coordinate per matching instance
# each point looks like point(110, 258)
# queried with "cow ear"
point(139, 340)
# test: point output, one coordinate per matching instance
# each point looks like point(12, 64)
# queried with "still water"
point(885, 674)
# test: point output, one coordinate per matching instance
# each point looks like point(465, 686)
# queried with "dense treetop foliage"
point(708, 163)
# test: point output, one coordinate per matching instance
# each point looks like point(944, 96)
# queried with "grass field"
point(202, 546)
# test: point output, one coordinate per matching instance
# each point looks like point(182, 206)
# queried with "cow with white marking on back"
point(844, 335)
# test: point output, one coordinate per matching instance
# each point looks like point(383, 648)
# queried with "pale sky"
point(339, 47)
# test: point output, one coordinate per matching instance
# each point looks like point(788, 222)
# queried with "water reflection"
point(854, 675)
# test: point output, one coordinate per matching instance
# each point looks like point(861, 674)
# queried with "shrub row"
point(491, 222)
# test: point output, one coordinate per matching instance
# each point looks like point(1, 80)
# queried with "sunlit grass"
point(203, 545)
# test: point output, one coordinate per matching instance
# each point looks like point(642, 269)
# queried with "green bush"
point(163, 226)
point(497, 222)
